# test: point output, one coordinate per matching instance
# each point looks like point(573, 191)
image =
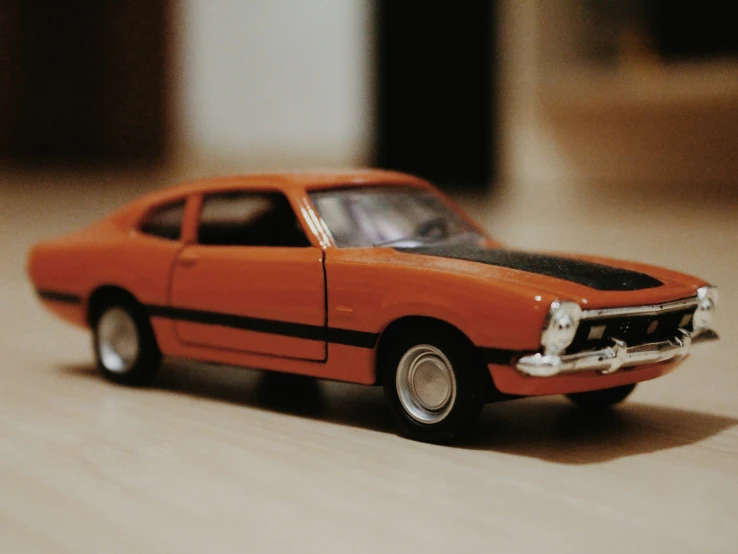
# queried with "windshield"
point(390, 216)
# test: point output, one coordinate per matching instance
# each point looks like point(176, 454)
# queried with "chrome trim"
point(708, 335)
point(708, 291)
point(573, 310)
point(653, 309)
point(426, 384)
point(610, 359)
point(706, 304)
point(118, 342)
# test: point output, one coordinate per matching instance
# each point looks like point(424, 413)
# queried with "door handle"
point(188, 259)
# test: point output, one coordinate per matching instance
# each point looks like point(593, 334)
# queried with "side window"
point(165, 221)
point(249, 219)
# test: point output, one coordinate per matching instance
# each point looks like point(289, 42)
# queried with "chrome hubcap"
point(117, 340)
point(426, 385)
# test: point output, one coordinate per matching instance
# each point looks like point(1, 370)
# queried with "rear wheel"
point(433, 385)
point(124, 342)
point(600, 399)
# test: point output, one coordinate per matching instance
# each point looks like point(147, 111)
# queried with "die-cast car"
point(370, 277)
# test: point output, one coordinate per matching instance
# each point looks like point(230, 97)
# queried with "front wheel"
point(600, 399)
point(433, 385)
point(125, 345)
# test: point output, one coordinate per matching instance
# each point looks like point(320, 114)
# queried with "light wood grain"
point(214, 459)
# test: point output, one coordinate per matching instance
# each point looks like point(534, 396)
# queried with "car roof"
point(288, 180)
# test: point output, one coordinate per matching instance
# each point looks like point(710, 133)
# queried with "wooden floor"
point(226, 460)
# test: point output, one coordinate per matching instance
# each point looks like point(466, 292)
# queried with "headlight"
point(563, 321)
point(706, 300)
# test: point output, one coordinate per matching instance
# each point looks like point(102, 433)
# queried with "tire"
point(434, 386)
point(601, 399)
point(124, 343)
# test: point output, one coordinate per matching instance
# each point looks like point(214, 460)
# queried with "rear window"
point(165, 221)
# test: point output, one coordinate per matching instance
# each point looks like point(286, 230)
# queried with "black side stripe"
point(56, 296)
point(498, 356)
point(347, 337)
point(360, 339)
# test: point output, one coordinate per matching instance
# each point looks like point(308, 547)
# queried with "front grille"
point(632, 329)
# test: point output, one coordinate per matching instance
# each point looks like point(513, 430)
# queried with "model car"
point(372, 277)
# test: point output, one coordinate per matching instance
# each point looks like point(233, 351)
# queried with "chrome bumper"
point(612, 358)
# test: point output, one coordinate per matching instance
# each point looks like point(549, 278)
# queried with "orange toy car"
point(371, 277)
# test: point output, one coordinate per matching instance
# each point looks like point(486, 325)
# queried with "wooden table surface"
point(214, 459)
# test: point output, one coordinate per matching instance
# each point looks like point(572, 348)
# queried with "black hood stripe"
point(592, 275)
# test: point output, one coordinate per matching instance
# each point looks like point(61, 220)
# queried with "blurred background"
point(600, 126)
point(532, 94)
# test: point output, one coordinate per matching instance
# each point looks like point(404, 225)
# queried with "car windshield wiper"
point(471, 237)
point(422, 232)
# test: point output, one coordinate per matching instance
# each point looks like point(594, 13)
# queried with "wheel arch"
point(407, 324)
point(104, 295)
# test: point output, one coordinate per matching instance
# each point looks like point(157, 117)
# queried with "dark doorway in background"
point(435, 90)
point(689, 30)
point(83, 81)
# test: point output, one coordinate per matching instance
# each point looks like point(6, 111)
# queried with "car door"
point(251, 282)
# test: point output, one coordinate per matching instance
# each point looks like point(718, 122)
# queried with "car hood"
point(593, 282)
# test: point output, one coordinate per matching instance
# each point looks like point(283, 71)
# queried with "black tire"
point(601, 399)
point(461, 411)
point(142, 364)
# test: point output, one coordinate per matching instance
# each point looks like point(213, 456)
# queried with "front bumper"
point(612, 358)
